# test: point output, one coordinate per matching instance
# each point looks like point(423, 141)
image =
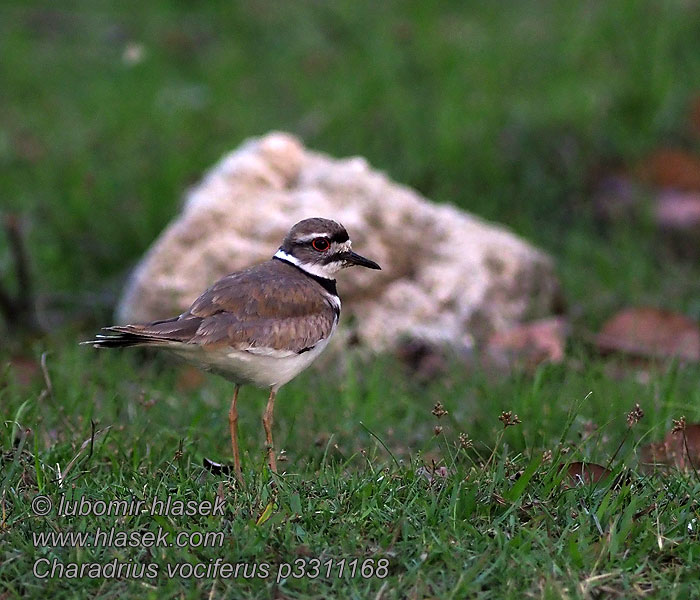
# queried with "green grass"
point(508, 110)
point(501, 523)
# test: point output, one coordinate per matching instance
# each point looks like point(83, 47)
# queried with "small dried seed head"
point(678, 425)
point(464, 442)
point(635, 415)
point(509, 419)
point(439, 410)
point(437, 430)
point(547, 456)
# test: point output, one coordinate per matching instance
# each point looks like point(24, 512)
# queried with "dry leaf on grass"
point(652, 333)
point(581, 473)
point(539, 341)
point(672, 452)
point(673, 168)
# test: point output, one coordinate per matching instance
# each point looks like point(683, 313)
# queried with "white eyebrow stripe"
point(310, 236)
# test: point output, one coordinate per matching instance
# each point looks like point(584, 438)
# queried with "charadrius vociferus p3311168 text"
point(260, 326)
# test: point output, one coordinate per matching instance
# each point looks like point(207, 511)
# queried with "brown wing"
point(271, 306)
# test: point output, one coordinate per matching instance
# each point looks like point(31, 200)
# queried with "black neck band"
point(324, 282)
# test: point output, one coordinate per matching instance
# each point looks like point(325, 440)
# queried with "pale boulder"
point(448, 277)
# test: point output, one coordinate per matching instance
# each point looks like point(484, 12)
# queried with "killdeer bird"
point(260, 326)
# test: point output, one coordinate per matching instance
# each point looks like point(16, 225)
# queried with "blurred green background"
point(512, 110)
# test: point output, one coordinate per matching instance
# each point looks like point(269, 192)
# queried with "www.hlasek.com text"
point(114, 537)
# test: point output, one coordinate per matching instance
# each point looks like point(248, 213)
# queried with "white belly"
point(259, 367)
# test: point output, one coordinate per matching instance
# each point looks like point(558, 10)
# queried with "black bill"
point(352, 258)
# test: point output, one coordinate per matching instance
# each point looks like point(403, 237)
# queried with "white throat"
point(325, 271)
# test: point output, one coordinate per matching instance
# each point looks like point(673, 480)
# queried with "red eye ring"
point(321, 244)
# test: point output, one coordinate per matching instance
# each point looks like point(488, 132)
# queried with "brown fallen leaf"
point(652, 333)
point(672, 452)
point(654, 454)
point(673, 168)
point(581, 473)
point(535, 342)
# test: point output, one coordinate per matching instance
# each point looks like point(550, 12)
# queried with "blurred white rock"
point(448, 277)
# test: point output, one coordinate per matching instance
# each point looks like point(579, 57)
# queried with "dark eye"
point(321, 244)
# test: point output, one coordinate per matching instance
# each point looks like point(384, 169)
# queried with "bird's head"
point(321, 247)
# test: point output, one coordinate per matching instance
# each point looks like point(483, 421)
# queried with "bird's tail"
point(124, 337)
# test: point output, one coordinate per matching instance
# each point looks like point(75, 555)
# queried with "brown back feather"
point(247, 310)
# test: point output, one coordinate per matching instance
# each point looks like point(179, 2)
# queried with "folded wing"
point(268, 307)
